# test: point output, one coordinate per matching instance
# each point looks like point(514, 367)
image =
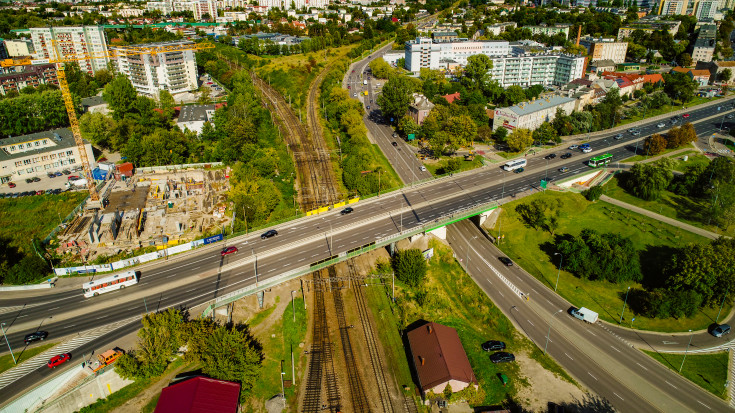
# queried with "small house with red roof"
point(452, 97)
point(199, 395)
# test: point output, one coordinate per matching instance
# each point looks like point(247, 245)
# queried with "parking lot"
point(42, 183)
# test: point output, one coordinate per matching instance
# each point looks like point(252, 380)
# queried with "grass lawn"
point(690, 210)
point(6, 361)
point(277, 343)
point(438, 168)
point(389, 179)
point(708, 371)
point(449, 296)
point(638, 158)
point(534, 251)
point(693, 158)
point(34, 216)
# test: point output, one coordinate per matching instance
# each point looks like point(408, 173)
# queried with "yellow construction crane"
point(60, 60)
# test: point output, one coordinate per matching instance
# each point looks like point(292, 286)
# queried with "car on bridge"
point(346, 211)
point(502, 357)
point(686, 115)
point(269, 233)
point(573, 147)
point(519, 170)
point(59, 360)
point(661, 125)
point(566, 155)
point(550, 156)
point(618, 137)
point(35, 336)
point(228, 251)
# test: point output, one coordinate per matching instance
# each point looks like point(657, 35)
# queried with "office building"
point(37, 154)
point(530, 115)
point(424, 53)
point(76, 43)
point(149, 73)
point(17, 48)
point(605, 49)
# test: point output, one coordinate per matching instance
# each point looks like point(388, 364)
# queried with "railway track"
point(371, 342)
point(357, 390)
point(317, 136)
point(321, 362)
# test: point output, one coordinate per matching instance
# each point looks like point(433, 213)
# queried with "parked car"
point(563, 169)
point(11, 185)
point(519, 170)
point(566, 155)
point(730, 116)
point(40, 192)
point(422, 168)
point(550, 156)
point(66, 172)
point(35, 336)
point(721, 330)
point(29, 180)
point(368, 107)
point(36, 179)
point(58, 174)
point(269, 233)
point(346, 211)
point(493, 345)
point(50, 175)
point(228, 251)
point(59, 360)
point(502, 357)
point(505, 260)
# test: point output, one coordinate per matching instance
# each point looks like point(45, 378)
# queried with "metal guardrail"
point(343, 256)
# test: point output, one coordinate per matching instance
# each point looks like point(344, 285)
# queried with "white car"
point(573, 147)
point(422, 168)
point(587, 150)
point(661, 125)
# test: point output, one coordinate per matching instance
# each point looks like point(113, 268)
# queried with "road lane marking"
point(592, 375)
point(667, 382)
point(614, 348)
point(592, 333)
point(570, 357)
point(618, 396)
point(188, 291)
point(55, 308)
point(501, 293)
point(529, 322)
point(641, 366)
point(70, 326)
point(704, 405)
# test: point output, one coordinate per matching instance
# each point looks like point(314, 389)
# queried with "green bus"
point(600, 160)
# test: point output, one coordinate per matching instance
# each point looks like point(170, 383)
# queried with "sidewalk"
point(670, 221)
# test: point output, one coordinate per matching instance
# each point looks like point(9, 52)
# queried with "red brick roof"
point(199, 395)
point(700, 72)
point(451, 98)
point(653, 78)
point(438, 356)
point(680, 69)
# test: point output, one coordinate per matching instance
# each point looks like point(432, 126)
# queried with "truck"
point(77, 183)
point(364, 82)
point(585, 314)
point(107, 358)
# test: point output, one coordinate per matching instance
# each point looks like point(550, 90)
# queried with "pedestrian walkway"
point(658, 217)
point(730, 375)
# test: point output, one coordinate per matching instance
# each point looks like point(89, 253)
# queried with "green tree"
point(725, 75)
point(513, 95)
point(121, 96)
point(596, 256)
point(166, 101)
point(98, 129)
point(476, 71)
point(593, 194)
point(410, 266)
point(679, 86)
point(30, 268)
point(462, 128)
point(407, 125)
point(636, 52)
point(380, 68)
point(396, 97)
point(546, 133)
point(685, 59)
point(519, 140)
point(646, 181)
point(158, 340)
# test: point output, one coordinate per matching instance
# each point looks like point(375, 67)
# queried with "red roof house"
point(439, 358)
point(199, 395)
point(452, 97)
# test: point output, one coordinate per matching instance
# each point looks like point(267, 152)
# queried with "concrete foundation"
point(95, 388)
point(439, 233)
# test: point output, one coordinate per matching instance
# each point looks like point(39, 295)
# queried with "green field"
point(22, 219)
point(690, 210)
point(6, 361)
point(708, 371)
point(533, 250)
point(693, 158)
point(450, 297)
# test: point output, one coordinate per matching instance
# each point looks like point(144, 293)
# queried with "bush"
point(593, 194)
point(410, 266)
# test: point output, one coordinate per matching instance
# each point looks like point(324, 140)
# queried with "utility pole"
point(2, 326)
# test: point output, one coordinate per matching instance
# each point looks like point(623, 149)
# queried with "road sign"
point(411, 136)
point(543, 184)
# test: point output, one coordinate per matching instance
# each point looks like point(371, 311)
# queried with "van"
point(584, 314)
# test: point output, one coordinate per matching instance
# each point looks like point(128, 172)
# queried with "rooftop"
point(195, 113)
point(438, 356)
point(62, 137)
point(199, 395)
point(527, 108)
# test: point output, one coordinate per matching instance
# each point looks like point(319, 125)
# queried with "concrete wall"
point(95, 388)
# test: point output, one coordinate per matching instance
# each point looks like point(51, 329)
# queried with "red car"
point(228, 251)
point(11, 185)
point(686, 115)
point(58, 360)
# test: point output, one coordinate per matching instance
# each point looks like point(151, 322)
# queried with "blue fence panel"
point(213, 238)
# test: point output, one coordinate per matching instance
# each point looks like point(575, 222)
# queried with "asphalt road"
point(203, 275)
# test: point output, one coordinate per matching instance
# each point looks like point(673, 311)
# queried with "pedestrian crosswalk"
point(67, 346)
point(729, 382)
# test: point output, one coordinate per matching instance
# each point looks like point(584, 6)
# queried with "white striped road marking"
point(642, 366)
point(570, 357)
point(704, 405)
point(614, 348)
point(618, 396)
point(667, 382)
point(592, 375)
point(529, 322)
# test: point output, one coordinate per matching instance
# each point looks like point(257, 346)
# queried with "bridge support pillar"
point(412, 238)
point(488, 214)
point(392, 248)
point(440, 232)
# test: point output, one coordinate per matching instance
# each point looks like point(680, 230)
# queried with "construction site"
point(151, 209)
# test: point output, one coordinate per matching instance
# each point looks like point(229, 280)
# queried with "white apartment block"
point(549, 30)
point(17, 48)
point(537, 69)
point(198, 7)
point(231, 4)
point(71, 42)
point(673, 7)
point(605, 49)
point(40, 153)
point(149, 73)
point(298, 4)
point(165, 7)
point(707, 9)
point(424, 53)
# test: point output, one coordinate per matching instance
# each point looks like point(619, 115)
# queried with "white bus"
point(518, 163)
point(111, 283)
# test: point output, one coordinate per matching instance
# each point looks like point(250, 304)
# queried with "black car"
point(550, 156)
point(566, 155)
point(493, 345)
point(36, 179)
point(519, 170)
point(346, 211)
point(269, 233)
point(35, 336)
point(502, 357)
point(29, 180)
point(394, 143)
point(506, 261)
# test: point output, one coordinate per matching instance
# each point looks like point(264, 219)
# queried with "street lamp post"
point(624, 304)
point(685, 352)
point(723, 303)
point(558, 272)
point(293, 309)
point(549, 333)
point(2, 326)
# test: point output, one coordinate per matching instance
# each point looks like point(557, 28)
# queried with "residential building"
point(18, 77)
point(95, 104)
point(420, 108)
point(700, 76)
point(530, 115)
point(439, 359)
point(77, 43)
point(605, 49)
point(198, 7)
point(452, 97)
point(194, 117)
point(37, 154)
point(439, 37)
point(498, 28)
point(549, 30)
point(537, 69)
point(199, 394)
point(716, 68)
point(704, 47)
point(166, 7)
point(17, 48)
point(602, 66)
point(672, 7)
point(3, 50)
point(149, 73)
point(648, 26)
point(706, 9)
point(424, 53)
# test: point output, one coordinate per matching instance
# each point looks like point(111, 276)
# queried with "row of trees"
point(224, 352)
point(674, 138)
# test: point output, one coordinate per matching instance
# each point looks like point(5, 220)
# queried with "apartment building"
point(424, 53)
point(530, 115)
point(18, 77)
point(649, 26)
point(605, 49)
point(706, 9)
point(37, 154)
point(149, 73)
point(76, 43)
point(537, 69)
point(3, 50)
point(672, 7)
point(198, 7)
point(549, 30)
point(704, 47)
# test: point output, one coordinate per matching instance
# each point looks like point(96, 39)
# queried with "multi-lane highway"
point(201, 276)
